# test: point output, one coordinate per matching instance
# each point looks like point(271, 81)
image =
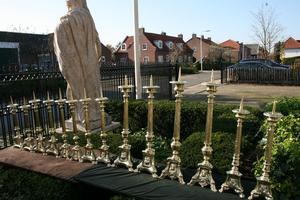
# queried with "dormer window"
point(171, 45)
point(123, 47)
point(159, 43)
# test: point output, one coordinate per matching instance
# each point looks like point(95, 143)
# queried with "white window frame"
point(159, 60)
point(171, 45)
point(160, 44)
point(103, 59)
point(144, 46)
point(146, 60)
point(123, 45)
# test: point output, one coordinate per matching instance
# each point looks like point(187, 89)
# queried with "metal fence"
point(112, 76)
point(261, 76)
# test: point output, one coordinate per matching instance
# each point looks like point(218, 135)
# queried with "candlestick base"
point(29, 142)
point(233, 181)
point(125, 157)
point(104, 155)
point(18, 140)
point(88, 154)
point(40, 145)
point(65, 151)
point(148, 163)
point(172, 169)
point(76, 153)
point(53, 147)
point(262, 189)
point(203, 176)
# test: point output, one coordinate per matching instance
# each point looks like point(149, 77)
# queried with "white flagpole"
point(137, 63)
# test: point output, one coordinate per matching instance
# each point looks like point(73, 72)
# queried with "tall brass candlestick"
point(203, 175)
point(263, 185)
point(172, 169)
point(40, 140)
point(18, 138)
point(53, 147)
point(104, 154)
point(65, 147)
point(148, 163)
point(89, 154)
point(124, 159)
point(76, 150)
point(233, 180)
point(29, 140)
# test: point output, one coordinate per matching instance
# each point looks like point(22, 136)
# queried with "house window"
point(194, 49)
point(159, 44)
point(123, 60)
point(171, 45)
point(144, 47)
point(167, 58)
point(146, 60)
point(180, 59)
point(103, 59)
point(123, 47)
point(44, 60)
point(160, 59)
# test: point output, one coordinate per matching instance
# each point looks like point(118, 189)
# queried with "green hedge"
point(193, 117)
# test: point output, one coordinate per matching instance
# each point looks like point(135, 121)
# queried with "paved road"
point(256, 95)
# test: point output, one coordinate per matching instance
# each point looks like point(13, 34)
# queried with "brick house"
point(235, 51)
point(155, 48)
point(195, 44)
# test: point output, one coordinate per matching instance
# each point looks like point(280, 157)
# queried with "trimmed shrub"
point(286, 105)
point(222, 144)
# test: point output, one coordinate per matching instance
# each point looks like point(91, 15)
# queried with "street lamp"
point(201, 54)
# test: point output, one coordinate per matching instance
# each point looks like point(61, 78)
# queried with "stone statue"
point(78, 50)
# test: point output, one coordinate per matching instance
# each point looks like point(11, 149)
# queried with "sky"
point(226, 19)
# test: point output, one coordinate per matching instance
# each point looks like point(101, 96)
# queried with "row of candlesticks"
point(203, 176)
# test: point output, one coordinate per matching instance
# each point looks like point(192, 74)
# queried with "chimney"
point(209, 38)
point(194, 35)
point(202, 36)
point(163, 33)
point(142, 30)
point(180, 36)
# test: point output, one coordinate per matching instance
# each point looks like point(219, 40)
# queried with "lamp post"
point(201, 50)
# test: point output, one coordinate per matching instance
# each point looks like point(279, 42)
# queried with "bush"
point(193, 117)
point(222, 144)
point(285, 167)
point(286, 105)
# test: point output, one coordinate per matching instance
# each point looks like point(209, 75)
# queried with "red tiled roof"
point(230, 44)
point(291, 43)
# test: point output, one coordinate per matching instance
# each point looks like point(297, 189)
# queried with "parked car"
point(266, 62)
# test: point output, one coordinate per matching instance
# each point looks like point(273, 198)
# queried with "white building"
point(291, 48)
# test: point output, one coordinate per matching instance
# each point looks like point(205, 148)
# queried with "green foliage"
point(193, 117)
point(222, 144)
point(20, 184)
point(187, 69)
point(286, 105)
point(285, 168)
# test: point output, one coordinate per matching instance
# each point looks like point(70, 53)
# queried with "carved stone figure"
point(78, 50)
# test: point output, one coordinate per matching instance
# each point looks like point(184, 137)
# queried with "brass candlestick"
point(53, 147)
point(124, 159)
point(148, 163)
point(18, 138)
point(65, 147)
point(104, 154)
point(40, 140)
point(89, 154)
point(263, 185)
point(172, 169)
point(233, 180)
point(29, 140)
point(203, 175)
point(76, 150)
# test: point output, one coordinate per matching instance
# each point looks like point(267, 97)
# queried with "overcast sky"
point(227, 19)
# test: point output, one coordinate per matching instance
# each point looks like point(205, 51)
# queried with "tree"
point(266, 29)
